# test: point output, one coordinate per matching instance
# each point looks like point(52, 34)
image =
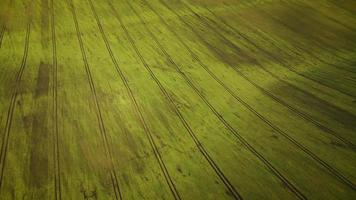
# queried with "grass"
point(188, 99)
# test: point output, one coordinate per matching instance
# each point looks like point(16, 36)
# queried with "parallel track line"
point(10, 113)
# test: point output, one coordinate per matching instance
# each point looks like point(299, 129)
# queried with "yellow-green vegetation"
point(177, 99)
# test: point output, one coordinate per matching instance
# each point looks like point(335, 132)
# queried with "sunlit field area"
point(177, 99)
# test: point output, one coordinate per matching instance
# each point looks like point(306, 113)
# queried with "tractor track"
point(108, 153)
point(10, 113)
point(57, 177)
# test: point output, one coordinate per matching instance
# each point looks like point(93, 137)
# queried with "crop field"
point(177, 99)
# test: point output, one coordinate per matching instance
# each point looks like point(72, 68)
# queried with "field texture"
point(177, 99)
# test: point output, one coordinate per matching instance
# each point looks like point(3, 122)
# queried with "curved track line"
point(7, 130)
point(174, 108)
point(333, 171)
point(295, 110)
point(57, 176)
point(108, 153)
point(137, 109)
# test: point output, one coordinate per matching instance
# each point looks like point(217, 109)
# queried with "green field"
point(177, 99)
